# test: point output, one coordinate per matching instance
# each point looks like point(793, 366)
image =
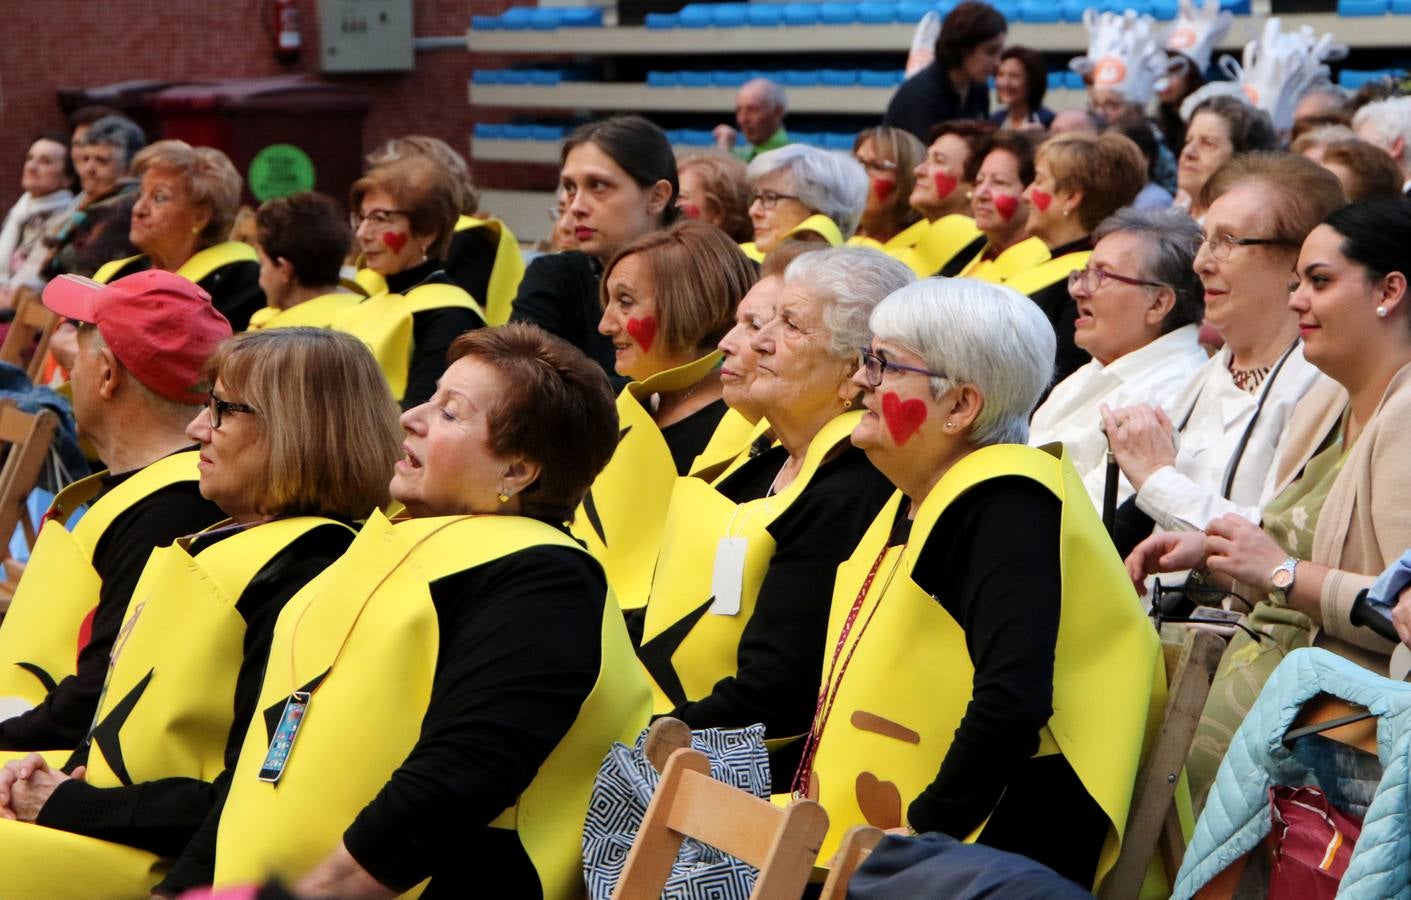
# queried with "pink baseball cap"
point(160, 326)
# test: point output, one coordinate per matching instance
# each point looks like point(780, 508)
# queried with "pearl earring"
point(950, 426)
point(1381, 312)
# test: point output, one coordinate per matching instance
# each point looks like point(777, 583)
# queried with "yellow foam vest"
point(622, 515)
point(39, 636)
point(371, 693)
point(1017, 258)
point(384, 323)
point(686, 666)
point(731, 437)
point(908, 682)
point(816, 224)
point(165, 712)
point(201, 263)
point(902, 240)
point(936, 243)
point(1049, 272)
point(317, 312)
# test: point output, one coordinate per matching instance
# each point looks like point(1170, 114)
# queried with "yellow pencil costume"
point(816, 226)
point(1013, 260)
point(319, 312)
point(201, 263)
point(384, 322)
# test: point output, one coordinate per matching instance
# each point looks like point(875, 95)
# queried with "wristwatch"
point(1281, 579)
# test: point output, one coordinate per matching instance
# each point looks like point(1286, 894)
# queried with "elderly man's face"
point(757, 117)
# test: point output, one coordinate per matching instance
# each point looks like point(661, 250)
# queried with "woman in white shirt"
point(1139, 305)
point(1216, 453)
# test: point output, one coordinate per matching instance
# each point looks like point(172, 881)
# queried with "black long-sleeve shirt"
point(780, 657)
point(929, 98)
point(1062, 312)
point(992, 561)
point(63, 718)
point(162, 816)
point(470, 261)
point(559, 293)
point(433, 331)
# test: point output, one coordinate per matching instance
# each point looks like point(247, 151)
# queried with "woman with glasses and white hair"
point(1139, 310)
point(804, 193)
point(792, 514)
point(1232, 414)
point(964, 689)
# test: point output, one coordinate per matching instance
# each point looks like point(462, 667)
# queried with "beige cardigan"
point(1366, 520)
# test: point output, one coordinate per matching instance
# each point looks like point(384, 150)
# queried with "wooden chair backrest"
point(32, 328)
point(856, 845)
point(1152, 823)
point(781, 842)
point(28, 437)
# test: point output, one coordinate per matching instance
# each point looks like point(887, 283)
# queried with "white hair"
point(772, 92)
point(986, 335)
point(1388, 120)
point(848, 282)
point(833, 184)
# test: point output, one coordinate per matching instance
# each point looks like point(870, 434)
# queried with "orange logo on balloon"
point(1181, 39)
point(1109, 70)
point(1252, 93)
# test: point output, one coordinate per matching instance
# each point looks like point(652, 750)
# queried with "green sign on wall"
point(280, 170)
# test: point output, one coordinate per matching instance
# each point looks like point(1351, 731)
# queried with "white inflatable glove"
point(923, 43)
point(1104, 37)
point(1281, 65)
point(1198, 30)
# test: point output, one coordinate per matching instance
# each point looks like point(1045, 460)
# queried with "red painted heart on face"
point(1040, 199)
point(643, 331)
point(904, 417)
point(883, 187)
point(944, 184)
point(690, 210)
point(395, 240)
point(1006, 206)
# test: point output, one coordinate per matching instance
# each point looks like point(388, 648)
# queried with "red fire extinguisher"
point(287, 40)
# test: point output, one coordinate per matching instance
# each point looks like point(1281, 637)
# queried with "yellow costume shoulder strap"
point(166, 471)
point(837, 431)
point(858, 240)
point(449, 544)
point(318, 312)
point(372, 283)
point(207, 261)
point(507, 271)
point(728, 448)
point(236, 559)
point(820, 225)
point(677, 378)
point(907, 237)
point(425, 297)
point(111, 271)
point(982, 464)
point(751, 251)
point(1047, 273)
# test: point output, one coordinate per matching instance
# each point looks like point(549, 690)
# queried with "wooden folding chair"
point(27, 437)
point(781, 843)
point(1152, 823)
point(855, 847)
point(31, 330)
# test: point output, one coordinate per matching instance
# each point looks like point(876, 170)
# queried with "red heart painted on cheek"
point(944, 184)
point(904, 417)
point(395, 240)
point(690, 210)
point(1006, 206)
point(643, 331)
point(883, 188)
point(1040, 199)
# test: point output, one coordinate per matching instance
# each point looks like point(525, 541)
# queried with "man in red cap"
point(137, 381)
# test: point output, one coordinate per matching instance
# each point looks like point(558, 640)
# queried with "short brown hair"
point(320, 397)
point(972, 131)
point(698, 275)
point(1250, 127)
point(1016, 143)
point(557, 410)
point(785, 252)
point(423, 189)
point(971, 23)
point(211, 181)
point(1109, 169)
point(1371, 172)
point(727, 187)
point(308, 230)
point(1300, 193)
point(901, 147)
point(1035, 73)
point(438, 151)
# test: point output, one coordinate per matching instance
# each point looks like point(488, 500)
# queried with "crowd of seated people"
point(395, 536)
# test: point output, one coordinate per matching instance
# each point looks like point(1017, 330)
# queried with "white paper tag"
point(728, 577)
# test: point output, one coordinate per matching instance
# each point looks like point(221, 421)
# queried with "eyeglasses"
point(380, 218)
point(1221, 246)
point(876, 165)
point(770, 199)
point(218, 408)
point(874, 363)
point(1091, 280)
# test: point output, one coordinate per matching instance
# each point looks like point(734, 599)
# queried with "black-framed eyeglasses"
point(380, 218)
point(218, 408)
point(770, 199)
point(874, 363)
point(1091, 280)
point(1222, 245)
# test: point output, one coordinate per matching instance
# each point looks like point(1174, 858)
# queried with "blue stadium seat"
point(582, 16)
point(663, 20)
point(837, 77)
point(838, 13)
point(1362, 7)
point(731, 15)
point(663, 79)
point(765, 15)
point(695, 79)
point(802, 13)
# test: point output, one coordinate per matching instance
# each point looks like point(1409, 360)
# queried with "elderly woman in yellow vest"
point(667, 299)
point(734, 629)
point(459, 676)
point(1001, 169)
point(941, 194)
point(806, 193)
point(483, 257)
point(301, 241)
point(1079, 180)
point(181, 223)
point(403, 216)
point(889, 156)
point(182, 687)
point(987, 671)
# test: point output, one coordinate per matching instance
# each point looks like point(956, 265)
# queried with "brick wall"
point(81, 43)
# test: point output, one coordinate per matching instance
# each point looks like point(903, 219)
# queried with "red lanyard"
point(826, 700)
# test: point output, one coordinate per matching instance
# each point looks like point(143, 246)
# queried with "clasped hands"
point(26, 785)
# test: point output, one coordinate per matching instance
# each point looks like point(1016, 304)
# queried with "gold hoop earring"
point(847, 404)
